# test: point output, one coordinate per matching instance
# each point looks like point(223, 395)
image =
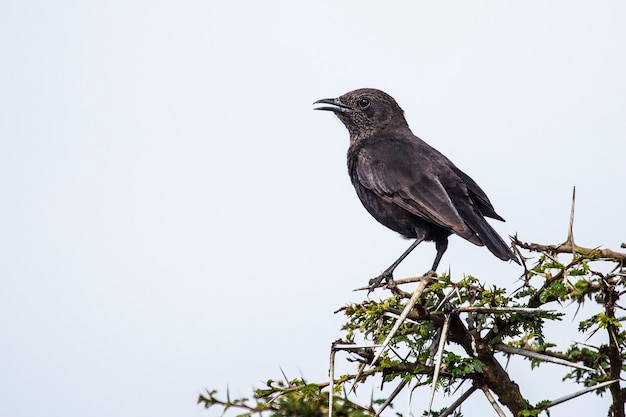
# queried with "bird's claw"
point(375, 282)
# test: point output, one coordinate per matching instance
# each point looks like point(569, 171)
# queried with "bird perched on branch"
point(406, 184)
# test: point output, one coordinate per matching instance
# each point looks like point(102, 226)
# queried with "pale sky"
point(175, 216)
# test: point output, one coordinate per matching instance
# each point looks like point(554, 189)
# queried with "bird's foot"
point(376, 282)
point(431, 273)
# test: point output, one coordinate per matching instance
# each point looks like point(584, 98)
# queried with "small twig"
point(458, 402)
point(412, 301)
point(492, 401)
point(566, 248)
point(539, 356)
point(442, 344)
point(391, 397)
point(396, 282)
point(429, 361)
point(331, 386)
point(409, 305)
point(502, 310)
point(579, 393)
point(350, 347)
point(522, 258)
point(443, 300)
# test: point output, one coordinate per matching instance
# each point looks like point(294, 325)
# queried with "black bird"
point(406, 184)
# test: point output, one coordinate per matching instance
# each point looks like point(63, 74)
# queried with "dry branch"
point(604, 254)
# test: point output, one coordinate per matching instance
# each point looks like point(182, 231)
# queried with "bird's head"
point(365, 112)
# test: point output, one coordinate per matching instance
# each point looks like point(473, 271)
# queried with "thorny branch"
point(594, 254)
point(483, 321)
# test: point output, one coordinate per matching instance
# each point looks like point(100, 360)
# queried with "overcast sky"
point(174, 215)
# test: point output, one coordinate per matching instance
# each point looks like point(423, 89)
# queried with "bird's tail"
point(493, 241)
point(486, 234)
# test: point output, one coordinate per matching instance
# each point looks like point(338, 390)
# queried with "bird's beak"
point(335, 105)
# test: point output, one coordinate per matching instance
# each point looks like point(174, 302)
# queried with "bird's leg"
point(387, 275)
point(441, 245)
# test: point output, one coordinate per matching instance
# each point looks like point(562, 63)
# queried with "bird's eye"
point(364, 103)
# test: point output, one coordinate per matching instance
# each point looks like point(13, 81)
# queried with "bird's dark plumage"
point(406, 184)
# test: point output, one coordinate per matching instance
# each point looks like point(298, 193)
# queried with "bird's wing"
point(478, 195)
point(407, 173)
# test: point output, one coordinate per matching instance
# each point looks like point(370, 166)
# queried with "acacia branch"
point(494, 375)
point(613, 351)
point(605, 254)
